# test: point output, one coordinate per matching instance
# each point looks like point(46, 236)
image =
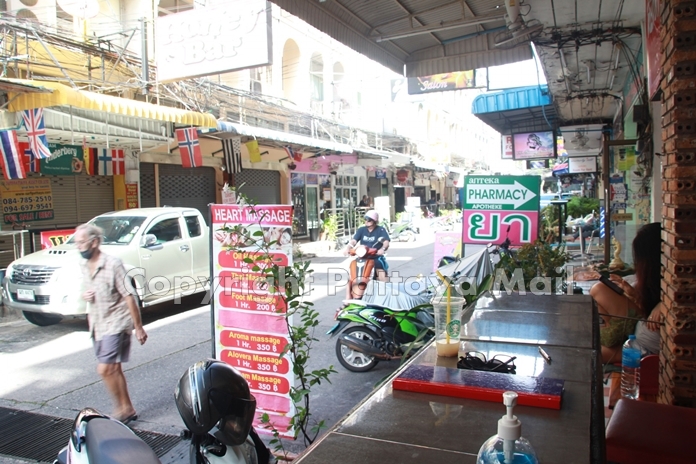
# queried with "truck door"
point(164, 267)
point(199, 245)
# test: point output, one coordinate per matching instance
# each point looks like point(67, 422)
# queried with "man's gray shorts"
point(112, 349)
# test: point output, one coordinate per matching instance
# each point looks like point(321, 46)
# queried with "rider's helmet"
point(213, 394)
point(372, 214)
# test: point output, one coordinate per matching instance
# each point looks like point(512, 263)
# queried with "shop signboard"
point(26, 200)
point(53, 238)
point(249, 315)
point(230, 35)
point(496, 207)
point(131, 195)
point(507, 147)
point(65, 160)
point(446, 244)
point(582, 165)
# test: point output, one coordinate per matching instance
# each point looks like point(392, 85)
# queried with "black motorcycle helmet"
point(213, 394)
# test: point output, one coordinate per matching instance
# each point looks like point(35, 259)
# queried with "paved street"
point(51, 370)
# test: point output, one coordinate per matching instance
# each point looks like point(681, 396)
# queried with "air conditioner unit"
point(37, 11)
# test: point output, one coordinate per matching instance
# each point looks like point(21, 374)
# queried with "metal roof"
point(521, 109)
point(414, 37)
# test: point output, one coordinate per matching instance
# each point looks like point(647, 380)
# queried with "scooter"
point(362, 268)
point(97, 438)
point(213, 400)
point(385, 327)
point(401, 231)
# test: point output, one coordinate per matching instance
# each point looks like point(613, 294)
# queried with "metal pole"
point(145, 60)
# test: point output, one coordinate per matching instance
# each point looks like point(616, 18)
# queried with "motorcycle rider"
point(368, 235)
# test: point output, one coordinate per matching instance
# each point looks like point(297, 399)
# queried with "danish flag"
point(119, 162)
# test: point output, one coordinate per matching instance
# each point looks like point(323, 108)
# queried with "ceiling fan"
point(518, 30)
point(580, 140)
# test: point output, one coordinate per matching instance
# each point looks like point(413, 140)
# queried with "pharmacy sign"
point(496, 207)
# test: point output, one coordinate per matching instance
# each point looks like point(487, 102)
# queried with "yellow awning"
point(62, 95)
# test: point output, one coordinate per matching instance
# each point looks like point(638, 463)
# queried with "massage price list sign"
point(249, 315)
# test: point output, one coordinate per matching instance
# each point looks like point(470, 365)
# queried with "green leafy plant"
point(540, 265)
point(330, 228)
point(581, 206)
point(301, 319)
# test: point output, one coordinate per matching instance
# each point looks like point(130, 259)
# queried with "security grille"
point(147, 185)
point(261, 186)
point(178, 186)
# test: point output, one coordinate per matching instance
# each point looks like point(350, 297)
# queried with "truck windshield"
point(118, 230)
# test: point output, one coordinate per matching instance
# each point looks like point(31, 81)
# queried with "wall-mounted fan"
point(518, 30)
point(580, 141)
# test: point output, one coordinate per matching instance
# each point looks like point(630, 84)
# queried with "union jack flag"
point(36, 132)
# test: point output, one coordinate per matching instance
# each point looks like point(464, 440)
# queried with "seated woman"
point(639, 309)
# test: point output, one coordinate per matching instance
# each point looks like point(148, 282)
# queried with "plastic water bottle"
point(508, 446)
point(630, 369)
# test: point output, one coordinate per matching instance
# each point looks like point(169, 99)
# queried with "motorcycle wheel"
point(410, 236)
point(352, 360)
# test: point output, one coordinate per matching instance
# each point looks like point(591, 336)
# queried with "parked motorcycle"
point(362, 268)
point(216, 406)
point(97, 438)
point(393, 320)
point(403, 231)
point(388, 323)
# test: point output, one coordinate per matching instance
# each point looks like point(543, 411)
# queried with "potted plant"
point(330, 228)
point(536, 267)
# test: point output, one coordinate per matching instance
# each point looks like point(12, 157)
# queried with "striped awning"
point(26, 94)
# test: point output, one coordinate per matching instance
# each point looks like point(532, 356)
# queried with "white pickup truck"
point(165, 251)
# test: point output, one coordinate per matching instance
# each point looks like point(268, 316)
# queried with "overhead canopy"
point(28, 94)
point(418, 37)
point(283, 137)
point(521, 109)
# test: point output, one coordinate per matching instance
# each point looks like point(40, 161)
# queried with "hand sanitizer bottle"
point(508, 446)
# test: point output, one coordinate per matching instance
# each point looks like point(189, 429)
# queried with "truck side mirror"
point(149, 240)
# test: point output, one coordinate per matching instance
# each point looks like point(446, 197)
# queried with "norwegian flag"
point(189, 148)
point(31, 162)
point(36, 131)
point(292, 154)
point(119, 162)
point(11, 159)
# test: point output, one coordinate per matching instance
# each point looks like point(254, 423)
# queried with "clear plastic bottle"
point(630, 369)
point(508, 446)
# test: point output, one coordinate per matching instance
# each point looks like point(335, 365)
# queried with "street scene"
point(258, 231)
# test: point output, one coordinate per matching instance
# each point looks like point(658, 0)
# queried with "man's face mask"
point(87, 253)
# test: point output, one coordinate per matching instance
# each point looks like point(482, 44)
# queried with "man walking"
point(113, 314)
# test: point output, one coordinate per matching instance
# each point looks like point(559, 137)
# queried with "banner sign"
point(442, 82)
point(496, 207)
point(26, 200)
point(131, 196)
point(249, 316)
point(65, 160)
point(52, 238)
point(446, 244)
point(232, 35)
point(507, 147)
point(585, 164)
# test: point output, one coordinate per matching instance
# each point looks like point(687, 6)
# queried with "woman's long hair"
point(647, 251)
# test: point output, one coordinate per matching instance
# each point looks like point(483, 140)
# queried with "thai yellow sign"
point(26, 200)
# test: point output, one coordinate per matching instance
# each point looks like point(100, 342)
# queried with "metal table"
point(399, 426)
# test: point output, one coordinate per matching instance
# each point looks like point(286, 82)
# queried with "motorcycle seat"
point(110, 442)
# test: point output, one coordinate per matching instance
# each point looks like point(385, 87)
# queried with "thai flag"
point(36, 132)
point(292, 154)
point(12, 163)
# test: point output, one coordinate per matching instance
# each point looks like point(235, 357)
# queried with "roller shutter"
point(76, 200)
point(194, 188)
point(261, 186)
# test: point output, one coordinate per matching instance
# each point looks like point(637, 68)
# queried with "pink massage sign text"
point(249, 316)
point(496, 207)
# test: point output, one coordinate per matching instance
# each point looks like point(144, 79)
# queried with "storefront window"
point(299, 223)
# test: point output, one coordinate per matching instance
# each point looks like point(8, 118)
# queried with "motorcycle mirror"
point(361, 251)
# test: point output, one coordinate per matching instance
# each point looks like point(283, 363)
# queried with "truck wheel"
point(355, 360)
point(42, 319)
